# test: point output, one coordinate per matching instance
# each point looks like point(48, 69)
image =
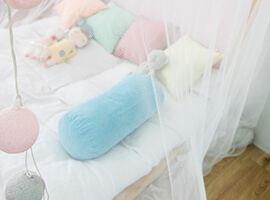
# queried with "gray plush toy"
point(155, 61)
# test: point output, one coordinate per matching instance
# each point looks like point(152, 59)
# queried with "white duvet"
point(50, 93)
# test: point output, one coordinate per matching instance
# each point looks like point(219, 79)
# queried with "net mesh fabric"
point(215, 84)
point(22, 17)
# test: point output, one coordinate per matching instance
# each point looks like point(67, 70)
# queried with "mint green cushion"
point(110, 25)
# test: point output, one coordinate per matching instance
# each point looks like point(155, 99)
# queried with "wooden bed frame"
point(132, 191)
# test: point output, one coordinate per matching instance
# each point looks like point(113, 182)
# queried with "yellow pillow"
point(185, 56)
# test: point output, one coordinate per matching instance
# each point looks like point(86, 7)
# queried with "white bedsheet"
point(50, 93)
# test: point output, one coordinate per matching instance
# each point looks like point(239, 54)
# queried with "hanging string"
point(18, 101)
point(26, 164)
point(18, 97)
point(35, 163)
point(34, 160)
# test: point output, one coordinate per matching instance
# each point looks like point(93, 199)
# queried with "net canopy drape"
point(214, 84)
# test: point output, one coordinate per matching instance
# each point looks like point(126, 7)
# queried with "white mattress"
point(50, 93)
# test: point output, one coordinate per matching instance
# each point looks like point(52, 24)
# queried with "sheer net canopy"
point(136, 99)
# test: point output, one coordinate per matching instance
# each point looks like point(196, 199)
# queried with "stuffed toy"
point(66, 48)
point(156, 60)
point(37, 48)
point(82, 23)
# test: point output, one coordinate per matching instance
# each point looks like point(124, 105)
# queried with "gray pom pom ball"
point(23, 186)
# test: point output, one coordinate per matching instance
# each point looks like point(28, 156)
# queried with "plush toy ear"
point(81, 22)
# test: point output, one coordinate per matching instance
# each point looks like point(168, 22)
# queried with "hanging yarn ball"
point(23, 4)
point(25, 186)
point(19, 130)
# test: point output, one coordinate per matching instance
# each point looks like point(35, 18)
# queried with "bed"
point(129, 167)
point(50, 93)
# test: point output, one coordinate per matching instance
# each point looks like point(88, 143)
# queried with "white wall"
point(262, 137)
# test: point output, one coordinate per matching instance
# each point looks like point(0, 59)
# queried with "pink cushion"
point(141, 38)
point(71, 10)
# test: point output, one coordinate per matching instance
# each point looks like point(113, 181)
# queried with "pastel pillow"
point(187, 58)
point(71, 10)
point(141, 38)
point(94, 127)
point(110, 25)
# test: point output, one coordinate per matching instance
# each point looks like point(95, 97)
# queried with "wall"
point(262, 138)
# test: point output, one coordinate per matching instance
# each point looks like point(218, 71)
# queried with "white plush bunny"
point(37, 48)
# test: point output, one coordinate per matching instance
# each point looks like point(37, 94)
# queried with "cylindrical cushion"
point(94, 127)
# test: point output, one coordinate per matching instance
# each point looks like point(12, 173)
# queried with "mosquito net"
point(136, 99)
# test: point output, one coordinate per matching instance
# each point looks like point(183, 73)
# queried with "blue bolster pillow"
point(94, 127)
